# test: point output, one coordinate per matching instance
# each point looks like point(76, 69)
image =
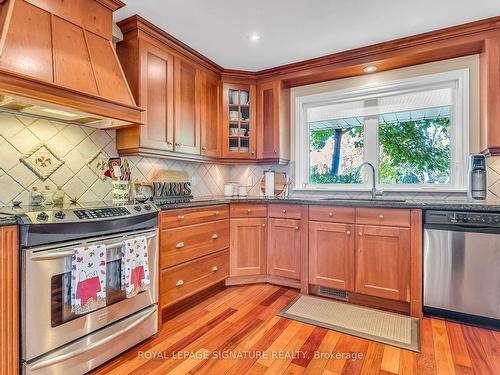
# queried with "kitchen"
point(169, 204)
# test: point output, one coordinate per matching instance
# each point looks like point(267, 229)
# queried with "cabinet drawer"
point(182, 244)
point(331, 214)
point(182, 281)
point(189, 216)
point(383, 216)
point(285, 211)
point(248, 210)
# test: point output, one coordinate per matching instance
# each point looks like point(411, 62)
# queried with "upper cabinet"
point(211, 115)
point(238, 126)
point(273, 122)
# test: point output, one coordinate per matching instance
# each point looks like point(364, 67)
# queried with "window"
point(414, 132)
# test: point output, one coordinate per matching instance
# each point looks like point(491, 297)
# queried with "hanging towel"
point(135, 271)
point(88, 279)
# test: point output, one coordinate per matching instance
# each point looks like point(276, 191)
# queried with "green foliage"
point(346, 178)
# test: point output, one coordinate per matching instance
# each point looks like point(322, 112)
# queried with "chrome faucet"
point(374, 190)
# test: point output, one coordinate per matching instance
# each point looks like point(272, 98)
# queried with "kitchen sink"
point(365, 199)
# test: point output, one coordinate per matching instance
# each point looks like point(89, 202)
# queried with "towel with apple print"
point(135, 271)
point(88, 279)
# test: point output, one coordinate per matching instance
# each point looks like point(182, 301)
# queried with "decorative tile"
point(42, 161)
point(99, 164)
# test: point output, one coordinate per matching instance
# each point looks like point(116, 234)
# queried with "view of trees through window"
point(413, 148)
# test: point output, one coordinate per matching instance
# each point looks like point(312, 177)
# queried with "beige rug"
point(388, 328)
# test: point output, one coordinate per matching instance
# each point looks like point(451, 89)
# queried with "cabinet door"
point(268, 120)
point(331, 255)
point(157, 96)
point(187, 107)
point(248, 247)
point(383, 261)
point(210, 116)
point(283, 251)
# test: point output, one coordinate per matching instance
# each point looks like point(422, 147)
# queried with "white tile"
point(75, 160)
point(10, 125)
point(9, 188)
point(26, 120)
point(89, 196)
point(74, 133)
point(62, 175)
point(87, 176)
point(23, 175)
point(25, 141)
point(74, 188)
point(43, 129)
point(101, 188)
point(100, 138)
point(88, 130)
point(87, 148)
point(9, 157)
point(60, 144)
point(24, 198)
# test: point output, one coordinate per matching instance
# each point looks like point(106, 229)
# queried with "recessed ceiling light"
point(254, 37)
point(370, 69)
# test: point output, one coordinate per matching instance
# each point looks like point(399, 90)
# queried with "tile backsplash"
point(35, 152)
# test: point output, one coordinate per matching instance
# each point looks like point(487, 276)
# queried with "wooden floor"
point(243, 321)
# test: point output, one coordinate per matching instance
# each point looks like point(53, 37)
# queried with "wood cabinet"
point(248, 247)
point(239, 133)
point(284, 248)
point(331, 255)
point(383, 261)
point(187, 100)
point(211, 133)
point(273, 121)
point(9, 300)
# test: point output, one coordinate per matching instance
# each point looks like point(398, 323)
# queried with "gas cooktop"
point(78, 212)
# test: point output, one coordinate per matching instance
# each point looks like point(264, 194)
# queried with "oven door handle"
point(71, 252)
point(63, 357)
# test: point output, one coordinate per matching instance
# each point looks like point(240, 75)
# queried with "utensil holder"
point(121, 191)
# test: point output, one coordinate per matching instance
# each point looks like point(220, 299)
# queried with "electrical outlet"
point(249, 181)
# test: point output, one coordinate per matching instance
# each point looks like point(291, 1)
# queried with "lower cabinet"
point(383, 262)
point(248, 247)
point(284, 248)
point(331, 255)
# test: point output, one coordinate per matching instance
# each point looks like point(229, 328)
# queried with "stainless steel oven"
point(54, 339)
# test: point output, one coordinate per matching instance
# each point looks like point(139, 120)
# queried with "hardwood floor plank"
point(426, 361)
point(480, 361)
point(407, 363)
point(373, 362)
point(442, 350)
point(390, 359)
point(459, 352)
point(317, 365)
point(491, 346)
point(309, 347)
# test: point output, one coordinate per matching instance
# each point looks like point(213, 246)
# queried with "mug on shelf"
point(234, 115)
point(244, 97)
point(233, 97)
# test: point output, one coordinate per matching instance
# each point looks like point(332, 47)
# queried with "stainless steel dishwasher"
point(462, 266)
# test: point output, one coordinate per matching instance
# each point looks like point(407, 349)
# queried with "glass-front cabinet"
point(239, 128)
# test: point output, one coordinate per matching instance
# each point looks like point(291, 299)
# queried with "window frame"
point(459, 131)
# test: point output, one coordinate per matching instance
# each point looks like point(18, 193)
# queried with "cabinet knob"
point(263, 225)
point(248, 210)
point(348, 232)
point(284, 211)
point(179, 283)
point(380, 216)
point(216, 213)
point(215, 269)
point(215, 236)
point(360, 233)
point(180, 245)
point(203, 149)
point(177, 144)
point(330, 214)
point(275, 151)
point(296, 228)
point(180, 217)
point(169, 143)
point(253, 153)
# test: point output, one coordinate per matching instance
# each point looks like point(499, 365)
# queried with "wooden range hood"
point(57, 61)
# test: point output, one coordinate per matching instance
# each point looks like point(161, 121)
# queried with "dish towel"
point(135, 271)
point(88, 279)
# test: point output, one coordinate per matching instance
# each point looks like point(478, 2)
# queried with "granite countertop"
point(6, 220)
point(457, 205)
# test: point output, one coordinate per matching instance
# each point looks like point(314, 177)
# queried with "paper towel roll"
point(269, 189)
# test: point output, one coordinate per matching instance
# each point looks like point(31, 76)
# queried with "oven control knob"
point(59, 215)
point(137, 208)
point(147, 207)
point(42, 216)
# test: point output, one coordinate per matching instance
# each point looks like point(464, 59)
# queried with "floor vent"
point(333, 293)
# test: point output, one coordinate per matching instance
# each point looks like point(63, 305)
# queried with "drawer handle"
point(179, 283)
point(296, 228)
point(348, 232)
point(215, 269)
point(284, 211)
point(216, 213)
point(180, 245)
point(180, 217)
point(380, 216)
point(215, 236)
point(330, 214)
point(248, 210)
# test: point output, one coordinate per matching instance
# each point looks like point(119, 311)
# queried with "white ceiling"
point(295, 30)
